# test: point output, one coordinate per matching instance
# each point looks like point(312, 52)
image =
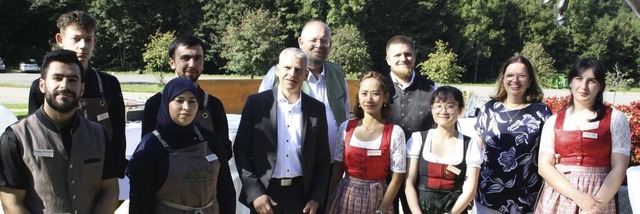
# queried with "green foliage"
point(619, 78)
point(541, 61)
point(349, 49)
point(155, 55)
point(252, 46)
point(441, 66)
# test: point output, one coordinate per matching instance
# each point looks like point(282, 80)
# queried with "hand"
point(588, 203)
point(263, 204)
point(311, 207)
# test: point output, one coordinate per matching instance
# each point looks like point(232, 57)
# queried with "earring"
point(384, 105)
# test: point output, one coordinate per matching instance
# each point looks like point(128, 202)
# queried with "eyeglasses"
point(438, 108)
point(323, 42)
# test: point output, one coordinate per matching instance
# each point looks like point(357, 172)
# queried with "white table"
point(633, 187)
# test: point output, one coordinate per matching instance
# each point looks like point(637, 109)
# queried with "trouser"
point(290, 199)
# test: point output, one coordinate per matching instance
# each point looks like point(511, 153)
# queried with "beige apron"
point(96, 109)
point(191, 185)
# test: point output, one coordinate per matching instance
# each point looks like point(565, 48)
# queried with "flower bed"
point(633, 114)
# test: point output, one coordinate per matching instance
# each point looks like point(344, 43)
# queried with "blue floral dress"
point(509, 180)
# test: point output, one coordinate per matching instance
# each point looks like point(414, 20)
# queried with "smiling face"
point(516, 80)
point(585, 88)
point(315, 41)
point(291, 72)
point(76, 39)
point(445, 112)
point(62, 86)
point(401, 59)
point(188, 62)
point(183, 108)
point(371, 97)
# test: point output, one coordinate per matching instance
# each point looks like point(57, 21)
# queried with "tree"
point(541, 61)
point(441, 66)
point(252, 46)
point(155, 55)
point(349, 49)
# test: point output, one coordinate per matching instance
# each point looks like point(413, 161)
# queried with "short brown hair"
point(78, 19)
point(400, 39)
point(386, 108)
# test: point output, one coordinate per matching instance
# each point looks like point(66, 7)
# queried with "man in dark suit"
point(281, 148)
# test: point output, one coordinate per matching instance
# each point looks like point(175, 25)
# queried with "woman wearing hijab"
point(179, 167)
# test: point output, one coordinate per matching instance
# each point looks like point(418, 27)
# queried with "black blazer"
point(255, 146)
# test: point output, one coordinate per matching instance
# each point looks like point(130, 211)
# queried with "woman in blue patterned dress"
point(510, 125)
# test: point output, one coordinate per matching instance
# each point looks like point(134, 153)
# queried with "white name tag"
point(103, 116)
point(590, 135)
point(43, 153)
point(375, 152)
point(454, 169)
point(212, 157)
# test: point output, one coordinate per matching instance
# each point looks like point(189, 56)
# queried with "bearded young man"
point(409, 97)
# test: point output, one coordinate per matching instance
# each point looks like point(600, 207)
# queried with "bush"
point(253, 46)
point(441, 66)
point(156, 55)
point(633, 115)
point(349, 49)
point(542, 63)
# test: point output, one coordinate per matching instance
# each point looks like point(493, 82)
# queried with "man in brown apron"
point(54, 160)
point(102, 100)
point(186, 57)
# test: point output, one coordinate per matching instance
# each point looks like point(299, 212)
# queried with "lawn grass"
point(19, 110)
point(152, 88)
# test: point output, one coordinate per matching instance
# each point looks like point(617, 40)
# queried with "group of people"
point(298, 149)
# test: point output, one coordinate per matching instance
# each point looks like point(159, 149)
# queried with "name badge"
point(454, 169)
point(375, 152)
point(590, 135)
point(212, 157)
point(43, 153)
point(103, 116)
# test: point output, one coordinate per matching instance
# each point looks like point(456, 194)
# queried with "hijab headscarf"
point(176, 135)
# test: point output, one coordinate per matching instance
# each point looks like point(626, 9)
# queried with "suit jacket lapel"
point(305, 118)
point(273, 120)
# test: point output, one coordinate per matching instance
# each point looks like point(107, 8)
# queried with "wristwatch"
point(379, 212)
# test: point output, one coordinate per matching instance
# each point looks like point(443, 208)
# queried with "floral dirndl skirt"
point(586, 178)
point(354, 195)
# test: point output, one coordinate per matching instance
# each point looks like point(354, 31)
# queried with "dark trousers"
point(323, 206)
point(290, 198)
point(402, 198)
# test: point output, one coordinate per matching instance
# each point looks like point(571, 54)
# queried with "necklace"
point(510, 117)
point(369, 127)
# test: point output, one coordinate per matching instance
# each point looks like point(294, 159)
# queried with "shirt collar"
point(401, 85)
point(282, 99)
point(312, 78)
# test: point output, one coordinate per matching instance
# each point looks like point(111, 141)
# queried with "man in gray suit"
point(281, 148)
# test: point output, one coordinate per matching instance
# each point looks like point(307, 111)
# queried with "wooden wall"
point(234, 92)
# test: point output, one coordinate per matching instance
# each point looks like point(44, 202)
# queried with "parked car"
point(29, 66)
point(2, 67)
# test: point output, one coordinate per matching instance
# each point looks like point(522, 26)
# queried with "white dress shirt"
point(289, 120)
point(318, 90)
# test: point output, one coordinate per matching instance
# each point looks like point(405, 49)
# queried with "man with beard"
point(54, 160)
point(102, 100)
point(186, 58)
point(326, 82)
point(409, 97)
